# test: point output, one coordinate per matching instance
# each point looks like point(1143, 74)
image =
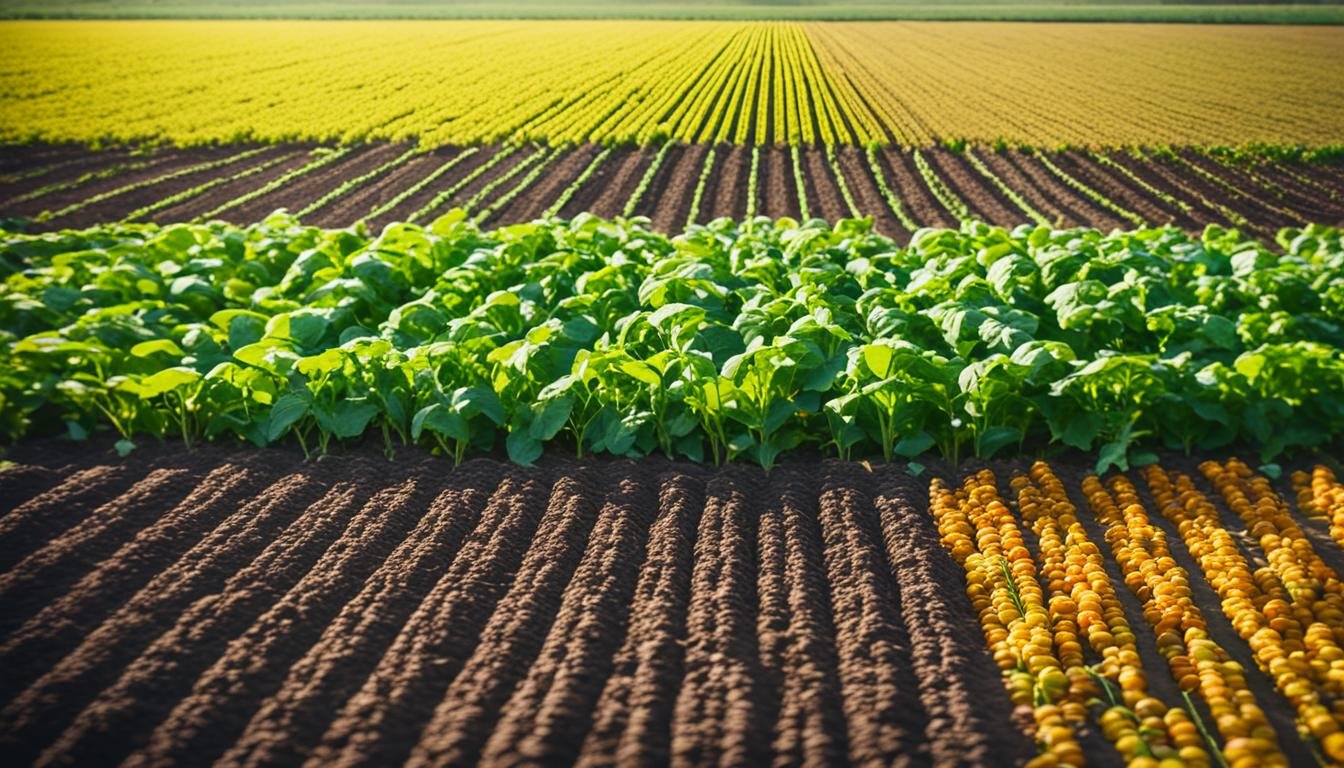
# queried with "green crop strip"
point(839, 174)
point(83, 179)
point(1094, 195)
point(1230, 216)
point(326, 158)
point(950, 201)
point(1233, 189)
point(421, 184)
point(198, 168)
point(705, 171)
point(200, 189)
point(893, 202)
point(359, 181)
point(645, 181)
point(798, 183)
point(503, 154)
point(577, 184)
point(32, 173)
point(1007, 191)
point(541, 154)
point(720, 343)
point(518, 188)
point(1184, 206)
point(752, 182)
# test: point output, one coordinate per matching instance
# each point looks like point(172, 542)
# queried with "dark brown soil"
point(359, 202)
point(547, 189)
point(667, 200)
point(1121, 190)
point(1266, 195)
point(866, 193)
point(984, 200)
point(466, 193)
point(824, 200)
point(914, 194)
point(300, 192)
point(200, 205)
point(778, 193)
point(610, 187)
point(184, 608)
point(445, 181)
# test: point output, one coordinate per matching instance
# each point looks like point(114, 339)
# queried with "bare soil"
point(1266, 195)
point(182, 608)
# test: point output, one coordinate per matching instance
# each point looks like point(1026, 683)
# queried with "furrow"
point(547, 717)
point(118, 721)
point(60, 626)
point(961, 688)
point(632, 717)
point(37, 716)
point(291, 721)
point(511, 640)
point(30, 525)
point(48, 573)
point(211, 718)
point(380, 723)
point(883, 711)
point(715, 719)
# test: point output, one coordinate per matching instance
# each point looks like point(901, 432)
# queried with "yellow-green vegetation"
point(1088, 84)
point(467, 82)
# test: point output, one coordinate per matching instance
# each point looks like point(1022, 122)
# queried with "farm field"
point(262, 609)
point(910, 83)
point(765, 383)
point(53, 187)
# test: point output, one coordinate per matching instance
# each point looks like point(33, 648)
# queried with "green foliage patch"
point(729, 341)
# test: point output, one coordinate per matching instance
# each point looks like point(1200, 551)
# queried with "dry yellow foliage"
point(465, 82)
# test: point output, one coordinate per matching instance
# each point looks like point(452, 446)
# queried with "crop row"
point(641, 82)
point(723, 342)
point(901, 190)
point(1057, 627)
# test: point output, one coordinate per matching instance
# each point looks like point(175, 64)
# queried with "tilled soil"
point(183, 608)
point(1190, 191)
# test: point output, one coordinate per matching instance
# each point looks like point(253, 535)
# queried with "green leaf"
point(523, 448)
point(878, 358)
point(550, 418)
point(913, 445)
point(286, 410)
point(147, 348)
point(642, 371)
point(1112, 455)
point(991, 440)
point(347, 418)
point(167, 380)
point(123, 447)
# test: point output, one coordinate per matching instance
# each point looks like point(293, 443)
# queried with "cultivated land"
point(906, 83)
point(180, 608)
point(757, 390)
point(764, 10)
point(54, 187)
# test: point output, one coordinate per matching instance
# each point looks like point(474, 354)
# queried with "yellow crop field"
point(1087, 84)
point(465, 82)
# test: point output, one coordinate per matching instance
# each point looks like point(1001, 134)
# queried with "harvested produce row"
point(901, 190)
point(727, 341)
point(1071, 661)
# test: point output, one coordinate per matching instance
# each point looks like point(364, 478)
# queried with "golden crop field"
point(464, 82)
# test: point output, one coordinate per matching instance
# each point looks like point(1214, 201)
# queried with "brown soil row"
point(187, 608)
point(1266, 196)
